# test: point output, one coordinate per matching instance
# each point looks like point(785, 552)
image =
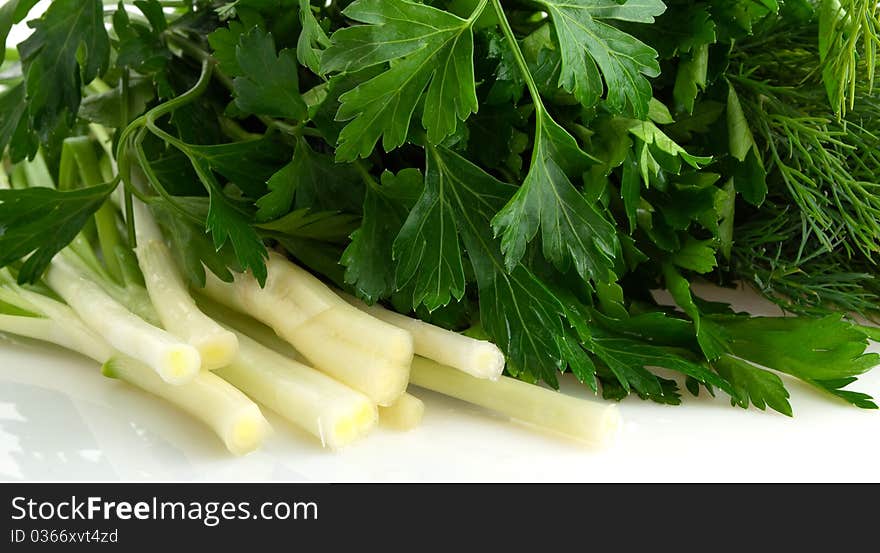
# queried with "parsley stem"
point(153, 179)
point(298, 130)
point(520, 59)
point(309, 131)
point(366, 176)
point(192, 49)
point(540, 110)
point(172, 105)
point(124, 84)
point(205, 175)
point(126, 191)
point(128, 204)
point(148, 120)
point(478, 11)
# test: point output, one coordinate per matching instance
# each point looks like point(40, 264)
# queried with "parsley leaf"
point(691, 78)
point(753, 385)
point(695, 255)
point(493, 139)
point(750, 177)
point(427, 250)
point(368, 260)
point(313, 180)
point(12, 12)
point(589, 45)
point(54, 72)
point(140, 47)
point(229, 225)
point(517, 309)
point(628, 360)
point(281, 189)
point(709, 335)
point(248, 164)
point(682, 28)
point(811, 349)
point(323, 226)
point(106, 108)
point(835, 387)
point(193, 247)
point(325, 185)
point(572, 228)
point(269, 82)
point(432, 72)
point(313, 40)
point(738, 19)
point(655, 326)
point(627, 363)
point(657, 151)
point(42, 221)
point(223, 42)
point(14, 128)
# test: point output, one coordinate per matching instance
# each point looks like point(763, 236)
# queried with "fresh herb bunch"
point(525, 170)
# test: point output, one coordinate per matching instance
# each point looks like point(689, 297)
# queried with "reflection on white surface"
point(10, 445)
point(60, 419)
point(49, 439)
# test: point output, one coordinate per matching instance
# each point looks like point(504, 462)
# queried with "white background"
point(61, 420)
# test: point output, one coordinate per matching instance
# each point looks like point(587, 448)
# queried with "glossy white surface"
point(61, 420)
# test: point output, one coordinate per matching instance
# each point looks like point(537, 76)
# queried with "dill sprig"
point(849, 34)
point(813, 246)
point(826, 166)
point(779, 255)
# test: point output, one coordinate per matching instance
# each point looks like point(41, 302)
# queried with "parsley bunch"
point(522, 170)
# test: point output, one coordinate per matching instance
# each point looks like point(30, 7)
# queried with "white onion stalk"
point(323, 407)
point(235, 418)
point(170, 296)
point(56, 322)
point(80, 258)
point(176, 362)
point(229, 413)
point(369, 355)
point(405, 414)
point(55, 332)
point(587, 421)
point(240, 323)
point(70, 334)
point(477, 358)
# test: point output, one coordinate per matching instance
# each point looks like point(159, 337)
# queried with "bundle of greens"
point(463, 172)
